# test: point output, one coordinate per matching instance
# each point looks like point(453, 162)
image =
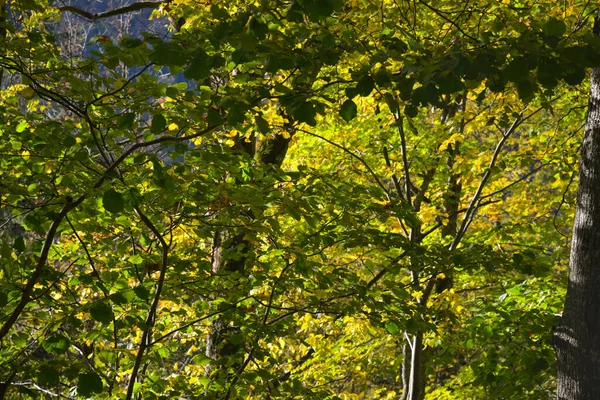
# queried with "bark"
point(413, 368)
point(2, 33)
point(232, 250)
point(577, 336)
point(112, 13)
point(415, 356)
point(451, 204)
point(453, 188)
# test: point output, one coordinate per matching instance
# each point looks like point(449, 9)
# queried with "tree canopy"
point(312, 199)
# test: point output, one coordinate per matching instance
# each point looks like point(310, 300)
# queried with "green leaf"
point(526, 90)
point(136, 259)
point(102, 312)
point(213, 117)
point(180, 86)
point(554, 27)
point(425, 95)
point(516, 70)
point(391, 102)
point(113, 201)
point(548, 73)
point(258, 28)
point(365, 86)
point(517, 258)
point(124, 297)
point(349, 110)
point(411, 111)
point(170, 54)
point(16, 145)
point(131, 43)
point(89, 384)
point(392, 328)
point(201, 360)
point(573, 74)
point(199, 67)
point(22, 126)
point(218, 12)
point(28, 93)
point(306, 112)
point(56, 344)
point(351, 92)
point(48, 376)
point(159, 123)
point(19, 244)
point(163, 352)
point(3, 299)
point(141, 292)
point(411, 220)
point(262, 124)
point(236, 114)
point(126, 121)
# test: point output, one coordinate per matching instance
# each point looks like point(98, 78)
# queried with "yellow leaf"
point(456, 137)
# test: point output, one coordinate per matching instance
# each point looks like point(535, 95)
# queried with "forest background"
point(303, 199)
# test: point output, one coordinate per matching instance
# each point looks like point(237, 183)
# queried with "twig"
point(359, 158)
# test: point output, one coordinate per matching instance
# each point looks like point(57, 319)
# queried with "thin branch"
point(400, 127)
point(194, 322)
point(386, 156)
point(151, 317)
point(527, 175)
point(42, 390)
point(359, 158)
point(121, 88)
point(420, 196)
point(385, 270)
point(263, 324)
point(56, 280)
point(87, 253)
point(442, 16)
point(68, 206)
point(470, 213)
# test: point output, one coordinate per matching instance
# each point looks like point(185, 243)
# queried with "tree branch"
point(35, 276)
point(111, 13)
point(151, 317)
point(359, 158)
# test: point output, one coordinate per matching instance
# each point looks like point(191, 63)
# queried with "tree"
point(576, 335)
point(285, 199)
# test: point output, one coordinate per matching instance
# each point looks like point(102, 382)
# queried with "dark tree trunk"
point(577, 336)
point(231, 251)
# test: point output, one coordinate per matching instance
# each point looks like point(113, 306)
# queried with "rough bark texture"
point(577, 336)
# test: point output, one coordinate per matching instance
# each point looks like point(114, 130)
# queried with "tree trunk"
point(413, 368)
point(231, 251)
point(577, 336)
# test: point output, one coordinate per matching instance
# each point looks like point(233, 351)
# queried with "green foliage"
point(144, 205)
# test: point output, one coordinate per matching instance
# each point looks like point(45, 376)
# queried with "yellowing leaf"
point(456, 137)
point(417, 294)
